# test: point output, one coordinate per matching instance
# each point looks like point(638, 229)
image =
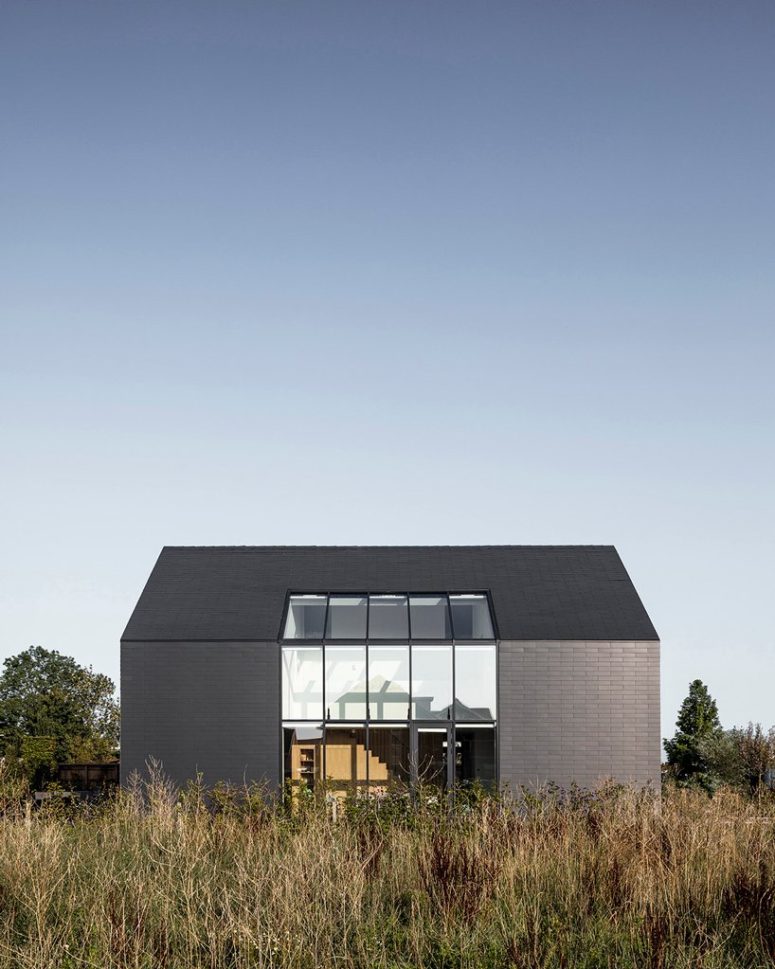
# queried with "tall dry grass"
point(617, 879)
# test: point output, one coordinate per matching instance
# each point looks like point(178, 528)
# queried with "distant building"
point(349, 666)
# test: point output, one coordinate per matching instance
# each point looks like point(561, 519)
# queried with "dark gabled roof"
point(537, 591)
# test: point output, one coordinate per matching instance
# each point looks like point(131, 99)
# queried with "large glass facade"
point(475, 755)
point(396, 616)
point(431, 681)
point(389, 682)
point(432, 753)
point(388, 617)
point(303, 754)
point(429, 617)
point(389, 757)
point(302, 683)
point(346, 682)
point(395, 688)
point(475, 681)
point(306, 617)
point(346, 617)
point(471, 617)
point(346, 757)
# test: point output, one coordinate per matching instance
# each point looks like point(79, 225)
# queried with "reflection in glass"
point(306, 617)
point(431, 681)
point(429, 617)
point(303, 750)
point(389, 682)
point(471, 617)
point(475, 681)
point(432, 757)
point(346, 682)
point(346, 757)
point(302, 686)
point(388, 617)
point(475, 755)
point(388, 756)
point(346, 617)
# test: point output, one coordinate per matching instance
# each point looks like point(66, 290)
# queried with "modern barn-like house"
point(354, 666)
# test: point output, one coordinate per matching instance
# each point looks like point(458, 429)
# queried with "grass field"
point(616, 880)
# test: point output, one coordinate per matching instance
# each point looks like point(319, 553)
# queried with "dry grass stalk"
point(615, 879)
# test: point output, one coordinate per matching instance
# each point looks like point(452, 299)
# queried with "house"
point(346, 666)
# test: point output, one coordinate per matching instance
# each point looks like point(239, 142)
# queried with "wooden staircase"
point(348, 762)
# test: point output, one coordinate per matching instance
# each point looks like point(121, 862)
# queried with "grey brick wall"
point(579, 711)
point(209, 707)
point(567, 711)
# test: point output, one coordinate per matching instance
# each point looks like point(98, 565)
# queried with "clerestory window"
point(424, 617)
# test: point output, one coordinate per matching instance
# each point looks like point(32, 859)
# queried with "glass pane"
point(346, 682)
point(302, 688)
point(303, 747)
point(471, 617)
point(346, 757)
point(430, 617)
point(306, 617)
point(475, 681)
point(346, 617)
point(388, 617)
point(388, 682)
point(431, 682)
point(388, 756)
point(475, 755)
point(432, 757)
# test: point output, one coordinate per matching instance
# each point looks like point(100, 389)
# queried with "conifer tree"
point(697, 728)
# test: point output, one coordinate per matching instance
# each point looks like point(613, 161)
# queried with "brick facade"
point(579, 711)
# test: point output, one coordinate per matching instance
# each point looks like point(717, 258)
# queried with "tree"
point(750, 759)
point(743, 757)
point(697, 729)
point(756, 754)
point(48, 700)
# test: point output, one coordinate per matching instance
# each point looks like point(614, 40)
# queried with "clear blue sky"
point(391, 273)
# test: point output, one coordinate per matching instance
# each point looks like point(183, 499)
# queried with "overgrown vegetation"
point(702, 754)
point(615, 879)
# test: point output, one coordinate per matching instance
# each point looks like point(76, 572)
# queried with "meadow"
point(614, 879)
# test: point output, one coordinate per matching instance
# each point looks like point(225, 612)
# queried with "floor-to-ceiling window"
point(389, 687)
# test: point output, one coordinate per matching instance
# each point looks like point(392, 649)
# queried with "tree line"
point(54, 711)
point(703, 754)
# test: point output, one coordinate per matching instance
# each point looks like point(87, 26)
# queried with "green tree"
point(756, 754)
point(49, 701)
point(697, 730)
point(743, 757)
point(37, 758)
point(722, 752)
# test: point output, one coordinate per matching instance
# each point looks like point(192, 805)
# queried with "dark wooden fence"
point(87, 777)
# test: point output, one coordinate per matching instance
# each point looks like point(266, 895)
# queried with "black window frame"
point(453, 723)
point(343, 639)
point(328, 593)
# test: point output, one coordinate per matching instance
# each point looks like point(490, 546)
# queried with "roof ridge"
point(253, 548)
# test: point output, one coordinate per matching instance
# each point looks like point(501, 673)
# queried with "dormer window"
point(388, 616)
point(306, 617)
